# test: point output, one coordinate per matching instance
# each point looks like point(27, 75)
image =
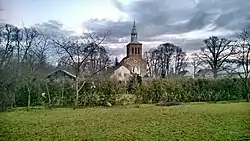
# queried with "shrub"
point(190, 90)
point(169, 89)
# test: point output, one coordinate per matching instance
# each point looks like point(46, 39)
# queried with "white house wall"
point(121, 74)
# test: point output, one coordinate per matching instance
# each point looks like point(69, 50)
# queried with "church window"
point(139, 51)
point(132, 51)
point(136, 50)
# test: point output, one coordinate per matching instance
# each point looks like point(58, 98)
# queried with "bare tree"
point(78, 52)
point(167, 59)
point(17, 56)
point(243, 58)
point(216, 53)
point(29, 38)
point(179, 60)
point(195, 62)
point(166, 52)
point(22, 53)
point(7, 47)
point(148, 57)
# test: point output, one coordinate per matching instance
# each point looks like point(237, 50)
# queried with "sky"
point(185, 23)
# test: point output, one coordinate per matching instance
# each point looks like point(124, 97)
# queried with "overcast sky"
point(182, 22)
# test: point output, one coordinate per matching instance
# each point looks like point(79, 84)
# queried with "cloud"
point(54, 27)
point(185, 23)
point(2, 20)
point(1, 13)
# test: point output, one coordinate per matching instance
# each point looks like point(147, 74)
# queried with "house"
point(119, 73)
point(204, 73)
point(185, 73)
point(61, 76)
point(133, 63)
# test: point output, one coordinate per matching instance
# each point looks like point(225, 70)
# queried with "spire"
point(134, 34)
point(134, 28)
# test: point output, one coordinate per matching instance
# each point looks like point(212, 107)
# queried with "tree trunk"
point(194, 72)
point(215, 73)
point(77, 93)
point(62, 98)
point(47, 87)
point(14, 99)
point(247, 97)
point(246, 88)
point(28, 106)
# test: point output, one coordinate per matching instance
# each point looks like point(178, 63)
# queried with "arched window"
point(132, 51)
point(136, 50)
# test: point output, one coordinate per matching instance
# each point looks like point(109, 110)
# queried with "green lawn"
point(148, 122)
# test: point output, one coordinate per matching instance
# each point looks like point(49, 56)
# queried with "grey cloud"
point(232, 14)
point(1, 13)
point(51, 24)
point(234, 21)
point(186, 45)
point(160, 17)
point(189, 45)
point(54, 27)
point(118, 51)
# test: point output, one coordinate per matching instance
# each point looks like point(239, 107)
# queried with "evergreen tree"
point(116, 61)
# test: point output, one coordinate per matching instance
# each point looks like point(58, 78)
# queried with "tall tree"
point(167, 59)
point(17, 56)
point(165, 53)
point(243, 58)
point(216, 52)
point(195, 62)
point(78, 52)
point(179, 60)
point(7, 46)
point(150, 62)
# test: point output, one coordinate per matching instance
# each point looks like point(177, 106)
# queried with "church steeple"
point(134, 34)
point(134, 48)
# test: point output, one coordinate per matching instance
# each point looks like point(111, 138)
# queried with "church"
point(133, 63)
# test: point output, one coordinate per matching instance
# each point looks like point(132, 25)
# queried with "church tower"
point(134, 61)
point(134, 48)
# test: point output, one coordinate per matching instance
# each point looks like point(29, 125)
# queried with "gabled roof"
point(183, 72)
point(123, 59)
point(63, 72)
point(113, 68)
point(204, 71)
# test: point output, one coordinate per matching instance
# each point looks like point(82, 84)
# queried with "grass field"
point(148, 122)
